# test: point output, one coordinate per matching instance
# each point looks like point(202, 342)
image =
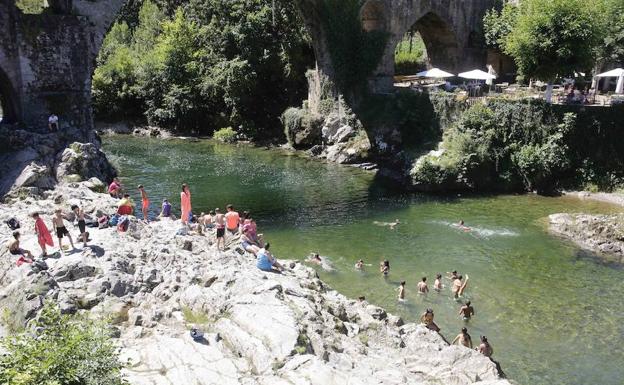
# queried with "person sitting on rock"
point(427, 320)
point(114, 189)
point(485, 348)
point(266, 261)
point(463, 339)
point(248, 244)
point(125, 206)
point(15, 249)
point(165, 211)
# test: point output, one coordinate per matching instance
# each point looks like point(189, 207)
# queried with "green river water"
point(552, 312)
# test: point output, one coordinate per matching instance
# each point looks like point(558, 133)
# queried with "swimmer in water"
point(459, 286)
point(463, 339)
point(466, 311)
point(422, 286)
point(315, 258)
point(384, 267)
point(401, 290)
point(437, 285)
point(360, 264)
point(462, 226)
point(391, 225)
point(452, 275)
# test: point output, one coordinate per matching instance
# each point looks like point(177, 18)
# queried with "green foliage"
point(194, 317)
point(31, 6)
point(65, 351)
point(610, 19)
point(201, 65)
point(225, 135)
point(497, 25)
point(553, 38)
point(355, 53)
point(410, 55)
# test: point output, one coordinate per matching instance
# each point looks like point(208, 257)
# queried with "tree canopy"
point(203, 65)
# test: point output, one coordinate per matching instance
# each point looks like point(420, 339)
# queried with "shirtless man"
point(15, 249)
point(220, 224)
point(401, 290)
point(463, 339)
point(422, 286)
point(232, 220)
point(462, 226)
point(437, 285)
point(459, 286)
point(144, 202)
point(466, 311)
point(452, 275)
point(59, 225)
point(315, 258)
point(82, 225)
point(485, 348)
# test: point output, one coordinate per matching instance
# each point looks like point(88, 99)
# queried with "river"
point(552, 312)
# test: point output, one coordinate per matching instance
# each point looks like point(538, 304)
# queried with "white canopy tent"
point(619, 73)
point(477, 75)
point(435, 73)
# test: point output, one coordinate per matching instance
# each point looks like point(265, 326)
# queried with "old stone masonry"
point(259, 328)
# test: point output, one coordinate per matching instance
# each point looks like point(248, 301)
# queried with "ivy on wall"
point(354, 53)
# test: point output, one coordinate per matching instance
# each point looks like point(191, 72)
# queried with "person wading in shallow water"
point(463, 339)
point(466, 311)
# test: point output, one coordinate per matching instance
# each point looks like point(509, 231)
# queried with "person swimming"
point(391, 225)
point(321, 261)
point(462, 226)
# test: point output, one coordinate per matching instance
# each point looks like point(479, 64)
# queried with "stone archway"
point(440, 40)
point(373, 16)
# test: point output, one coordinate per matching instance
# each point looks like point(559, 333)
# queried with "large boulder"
point(84, 160)
point(302, 127)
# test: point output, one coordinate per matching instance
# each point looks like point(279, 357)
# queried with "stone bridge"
point(47, 60)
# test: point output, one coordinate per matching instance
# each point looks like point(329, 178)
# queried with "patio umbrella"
point(619, 73)
point(435, 73)
point(477, 75)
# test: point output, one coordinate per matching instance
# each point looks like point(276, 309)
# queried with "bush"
point(64, 350)
point(225, 135)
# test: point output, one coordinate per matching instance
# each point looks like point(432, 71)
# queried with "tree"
point(63, 350)
point(553, 38)
point(497, 25)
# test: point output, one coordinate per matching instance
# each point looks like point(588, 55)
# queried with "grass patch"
point(195, 317)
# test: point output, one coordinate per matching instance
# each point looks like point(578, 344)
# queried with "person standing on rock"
point(185, 202)
point(232, 220)
point(144, 203)
point(53, 123)
point(82, 224)
point(61, 230)
point(220, 223)
point(43, 234)
point(422, 286)
point(463, 339)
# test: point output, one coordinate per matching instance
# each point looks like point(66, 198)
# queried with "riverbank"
point(259, 327)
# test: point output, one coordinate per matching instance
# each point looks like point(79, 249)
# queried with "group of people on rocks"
point(229, 224)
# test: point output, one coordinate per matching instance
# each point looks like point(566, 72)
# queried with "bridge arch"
point(8, 100)
point(373, 16)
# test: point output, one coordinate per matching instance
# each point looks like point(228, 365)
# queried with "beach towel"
point(43, 234)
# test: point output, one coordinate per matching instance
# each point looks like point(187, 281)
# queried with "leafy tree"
point(498, 23)
point(611, 20)
point(64, 350)
point(553, 38)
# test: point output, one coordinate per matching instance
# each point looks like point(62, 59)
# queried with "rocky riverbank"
point(601, 234)
point(259, 328)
